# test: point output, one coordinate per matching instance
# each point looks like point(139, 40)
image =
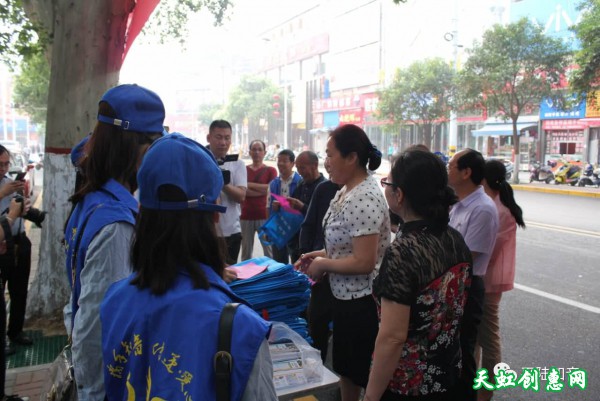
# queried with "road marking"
point(553, 297)
point(587, 233)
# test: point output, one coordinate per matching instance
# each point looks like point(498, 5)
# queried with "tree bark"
point(88, 39)
point(516, 145)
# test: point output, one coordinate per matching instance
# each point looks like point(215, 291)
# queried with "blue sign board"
point(550, 110)
point(555, 17)
point(20, 125)
point(331, 119)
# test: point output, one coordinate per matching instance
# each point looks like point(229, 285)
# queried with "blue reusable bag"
point(280, 228)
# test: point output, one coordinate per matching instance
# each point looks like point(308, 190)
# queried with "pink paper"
point(285, 204)
point(248, 270)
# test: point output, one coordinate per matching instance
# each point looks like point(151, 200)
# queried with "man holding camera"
point(15, 260)
point(234, 192)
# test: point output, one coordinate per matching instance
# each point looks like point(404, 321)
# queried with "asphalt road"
point(552, 317)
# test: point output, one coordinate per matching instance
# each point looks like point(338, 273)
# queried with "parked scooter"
point(541, 173)
point(567, 174)
point(590, 176)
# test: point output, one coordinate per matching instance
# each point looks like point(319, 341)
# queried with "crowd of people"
point(157, 219)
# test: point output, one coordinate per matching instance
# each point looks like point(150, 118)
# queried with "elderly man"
point(475, 216)
point(307, 165)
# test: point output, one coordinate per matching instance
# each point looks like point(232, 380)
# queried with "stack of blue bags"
point(278, 294)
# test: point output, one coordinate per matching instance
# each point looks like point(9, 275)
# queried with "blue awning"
point(494, 127)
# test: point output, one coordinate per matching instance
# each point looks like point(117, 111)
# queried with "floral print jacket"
point(428, 268)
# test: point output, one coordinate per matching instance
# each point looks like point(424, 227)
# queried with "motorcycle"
point(567, 174)
point(590, 176)
point(541, 173)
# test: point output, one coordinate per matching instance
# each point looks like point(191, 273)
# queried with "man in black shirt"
point(307, 165)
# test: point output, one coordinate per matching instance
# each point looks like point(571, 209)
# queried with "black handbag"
point(223, 361)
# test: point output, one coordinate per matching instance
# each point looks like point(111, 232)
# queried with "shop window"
point(567, 148)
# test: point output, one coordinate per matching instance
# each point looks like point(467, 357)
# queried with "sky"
point(178, 74)
point(207, 57)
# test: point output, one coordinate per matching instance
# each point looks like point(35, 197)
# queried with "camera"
point(226, 173)
point(36, 216)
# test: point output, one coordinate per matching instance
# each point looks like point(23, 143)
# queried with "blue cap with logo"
point(136, 108)
point(182, 162)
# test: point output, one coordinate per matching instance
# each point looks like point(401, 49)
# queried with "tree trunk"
point(88, 41)
point(516, 145)
point(427, 129)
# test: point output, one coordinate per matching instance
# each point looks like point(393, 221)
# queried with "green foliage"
point(31, 87)
point(419, 94)
point(512, 69)
point(588, 58)
point(171, 17)
point(209, 112)
point(19, 36)
point(400, 1)
point(252, 99)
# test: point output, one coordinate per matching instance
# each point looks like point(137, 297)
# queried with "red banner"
point(137, 19)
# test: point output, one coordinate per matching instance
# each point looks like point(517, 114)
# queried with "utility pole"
point(453, 134)
point(285, 116)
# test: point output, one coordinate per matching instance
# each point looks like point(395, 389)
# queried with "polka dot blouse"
point(360, 211)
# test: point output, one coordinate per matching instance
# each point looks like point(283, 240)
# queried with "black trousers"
point(2, 343)
point(16, 266)
point(281, 255)
point(320, 313)
point(234, 243)
point(468, 337)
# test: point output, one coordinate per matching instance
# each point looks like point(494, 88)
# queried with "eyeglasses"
point(385, 182)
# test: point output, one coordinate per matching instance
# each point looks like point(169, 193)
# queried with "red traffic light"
point(276, 113)
point(276, 97)
point(275, 105)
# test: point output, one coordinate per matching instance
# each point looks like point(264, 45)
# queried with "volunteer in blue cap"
point(160, 325)
point(98, 233)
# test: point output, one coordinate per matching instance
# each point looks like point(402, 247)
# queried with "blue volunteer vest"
point(111, 204)
point(162, 347)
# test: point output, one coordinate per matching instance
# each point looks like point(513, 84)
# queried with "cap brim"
point(162, 205)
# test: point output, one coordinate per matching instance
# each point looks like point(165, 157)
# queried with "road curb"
point(550, 190)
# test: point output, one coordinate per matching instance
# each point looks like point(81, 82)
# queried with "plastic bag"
point(295, 362)
point(60, 381)
point(280, 228)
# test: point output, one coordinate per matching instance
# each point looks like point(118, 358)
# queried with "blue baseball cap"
point(78, 151)
point(180, 161)
point(136, 108)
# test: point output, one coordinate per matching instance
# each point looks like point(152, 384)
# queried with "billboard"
point(555, 17)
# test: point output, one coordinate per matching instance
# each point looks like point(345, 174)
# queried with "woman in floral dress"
point(421, 287)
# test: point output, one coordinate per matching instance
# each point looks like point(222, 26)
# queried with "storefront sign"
point(566, 136)
point(369, 103)
point(593, 105)
point(564, 125)
point(553, 109)
point(351, 117)
point(336, 103)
